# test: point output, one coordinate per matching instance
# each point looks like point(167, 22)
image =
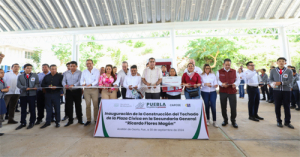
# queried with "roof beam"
point(229, 10)
point(173, 10)
point(54, 16)
point(16, 9)
point(144, 11)
point(261, 9)
point(62, 13)
point(88, 13)
point(297, 13)
point(251, 9)
point(222, 9)
point(8, 19)
point(182, 10)
point(36, 13)
point(202, 9)
point(193, 8)
point(115, 10)
point(271, 9)
point(5, 24)
point(163, 11)
point(134, 13)
point(71, 13)
point(30, 16)
point(125, 14)
point(293, 6)
point(153, 11)
point(80, 14)
point(12, 15)
point(44, 13)
point(282, 8)
point(95, 6)
point(107, 14)
point(241, 10)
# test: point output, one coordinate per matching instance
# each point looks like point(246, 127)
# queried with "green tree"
point(90, 50)
point(36, 57)
point(63, 52)
point(139, 44)
point(116, 56)
point(211, 50)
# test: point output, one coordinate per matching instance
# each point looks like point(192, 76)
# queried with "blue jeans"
point(187, 90)
point(210, 99)
point(241, 89)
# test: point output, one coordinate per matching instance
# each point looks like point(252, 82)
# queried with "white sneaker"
point(208, 123)
point(215, 124)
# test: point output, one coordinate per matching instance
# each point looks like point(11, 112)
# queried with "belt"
point(252, 86)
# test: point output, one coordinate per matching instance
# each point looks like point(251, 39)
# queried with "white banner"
point(171, 81)
point(148, 118)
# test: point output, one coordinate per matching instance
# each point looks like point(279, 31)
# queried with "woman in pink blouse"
point(106, 80)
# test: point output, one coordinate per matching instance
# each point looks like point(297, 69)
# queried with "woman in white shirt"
point(173, 95)
point(241, 86)
point(132, 83)
point(208, 93)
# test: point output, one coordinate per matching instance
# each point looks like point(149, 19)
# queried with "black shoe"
point(53, 120)
point(263, 99)
point(45, 125)
point(69, 123)
point(271, 101)
point(17, 110)
point(279, 125)
point(1, 134)
point(57, 125)
point(38, 122)
point(80, 122)
point(65, 118)
point(258, 117)
point(298, 109)
point(6, 117)
point(30, 126)
point(224, 123)
point(289, 125)
point(292, 107)
point(12, 122)
point(235, 125)
point(20, 126)
point(87, 123)
point(254, 119)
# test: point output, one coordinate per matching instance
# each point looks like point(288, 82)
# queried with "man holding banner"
point(132, 83)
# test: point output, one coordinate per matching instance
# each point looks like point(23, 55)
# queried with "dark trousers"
point(11, 102)
point(282, 97)
point(253, 101)
point(40, 101)
point(210, 99)
point(174, 97)
point(52, 99)
point(271, 94)
point(31, 101)
point(74, 96)
point(123, 92)
point(152, 95)
point(293, 102)
point(232, 102)
point(296, 96)
point(264, 90)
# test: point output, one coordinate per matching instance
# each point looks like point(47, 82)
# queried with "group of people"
point(106, 83)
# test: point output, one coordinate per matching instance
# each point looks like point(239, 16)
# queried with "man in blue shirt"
point(41, 95)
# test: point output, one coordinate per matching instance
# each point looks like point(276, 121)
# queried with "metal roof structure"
point(74, 16)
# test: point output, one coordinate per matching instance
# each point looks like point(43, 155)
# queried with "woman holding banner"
point(192, 82)
point(173, 95)
point(106, 80)
point(208, 92)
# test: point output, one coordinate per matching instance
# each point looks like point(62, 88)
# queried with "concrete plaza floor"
point(262, 138)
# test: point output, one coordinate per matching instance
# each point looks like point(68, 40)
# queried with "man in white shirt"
point(152, 76)
point(252, 79)
point(228, 80)
point(121, 76)
point(132, 82)
point(89, 78)
point(197, 69)
point(13, 95)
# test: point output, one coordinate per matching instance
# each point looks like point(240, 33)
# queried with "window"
point(28, 55)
